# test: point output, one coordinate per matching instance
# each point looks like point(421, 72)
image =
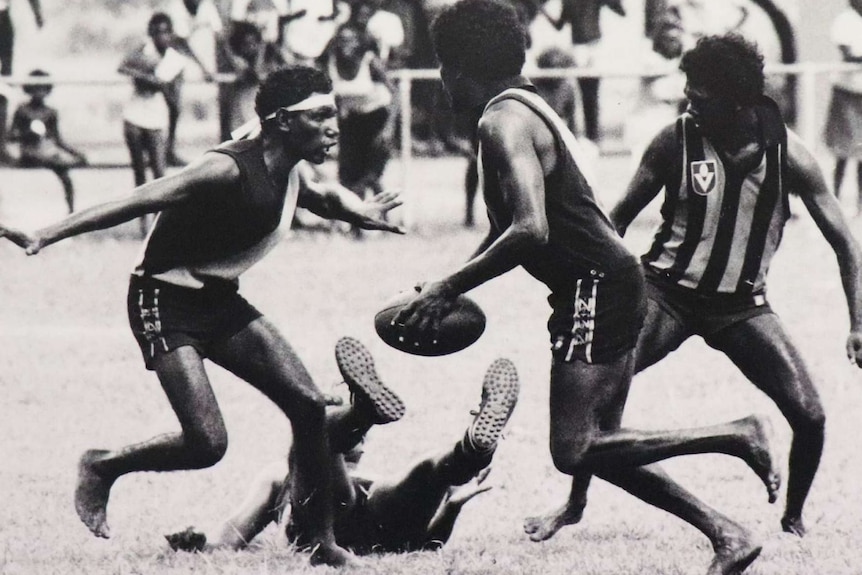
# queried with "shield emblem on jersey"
point(703, 176)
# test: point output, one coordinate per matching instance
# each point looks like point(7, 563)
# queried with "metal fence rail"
point(810, 76)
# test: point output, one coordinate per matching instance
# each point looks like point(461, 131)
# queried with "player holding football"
point(728, 165)
point(409, 512)
point(544, 217)
point(217, 217)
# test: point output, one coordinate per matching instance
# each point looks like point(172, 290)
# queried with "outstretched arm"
point(441, 525)
point(257, 510)
point(335, 202)
point(806, 179)
point(647, 181)
point(210, 170)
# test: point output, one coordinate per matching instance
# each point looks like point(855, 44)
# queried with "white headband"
point(252, 128)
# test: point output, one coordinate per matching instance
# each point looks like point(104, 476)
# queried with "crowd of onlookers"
point(238, 42)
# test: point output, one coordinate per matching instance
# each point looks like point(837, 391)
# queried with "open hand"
point(420, 317)
point(373, 212)
point(29, 243)
point(463, 493)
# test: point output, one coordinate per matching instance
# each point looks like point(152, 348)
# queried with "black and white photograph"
point(430, 287)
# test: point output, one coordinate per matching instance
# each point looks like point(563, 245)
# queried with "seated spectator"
point(35, 126)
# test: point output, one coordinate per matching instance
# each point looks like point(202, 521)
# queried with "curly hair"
point(239, 31)
point(483, 38)
point(729, 66)
point(157, 19)
point(289, 85)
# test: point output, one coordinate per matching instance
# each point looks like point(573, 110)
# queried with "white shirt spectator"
point(199, 29)
point(306, 37)
point(847, 32)
point(387, 30)
point(146, 108)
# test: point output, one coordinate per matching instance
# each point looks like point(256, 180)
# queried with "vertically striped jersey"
point(220, 234)
point(720, 228)
point(581, 237)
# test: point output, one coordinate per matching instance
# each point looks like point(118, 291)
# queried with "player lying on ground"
point(414, 511)
point(545, 218)
point(217, 217)
point(727, 166)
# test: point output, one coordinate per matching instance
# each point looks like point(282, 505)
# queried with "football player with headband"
point(216, 218)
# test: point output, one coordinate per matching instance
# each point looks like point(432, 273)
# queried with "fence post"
point(807, 106)
point(405, 85)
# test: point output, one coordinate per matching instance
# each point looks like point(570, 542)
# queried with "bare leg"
point(261, 356)
point(595, 405)
point(68, 188)
point(578, 442)
point(765, 354)
point(201, 443)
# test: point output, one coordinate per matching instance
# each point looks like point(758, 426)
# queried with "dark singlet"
point(581, 236)
point(220, 234)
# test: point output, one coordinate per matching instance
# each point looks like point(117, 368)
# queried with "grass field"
point(71, 378)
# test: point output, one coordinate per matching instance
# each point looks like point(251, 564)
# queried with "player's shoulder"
point(508, 122)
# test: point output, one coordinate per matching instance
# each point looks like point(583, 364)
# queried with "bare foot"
point(543, 527)
point(734, 553)
point(91, 494)
point(758, 429)
point(333, 555)
point(793, 525)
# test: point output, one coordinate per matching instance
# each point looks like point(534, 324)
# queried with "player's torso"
point(222, 233)
point(722, 222)
point(581, 237)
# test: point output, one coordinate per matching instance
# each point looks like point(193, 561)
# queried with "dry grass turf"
point(71, 378)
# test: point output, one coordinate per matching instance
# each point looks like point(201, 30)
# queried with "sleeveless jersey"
point(581, 241)
point(720, 228)
point(220, 234)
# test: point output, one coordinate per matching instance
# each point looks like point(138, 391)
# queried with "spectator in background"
point(265, 14)
point(844, 121)
point(558, 92)
point(385, 29)
point(583, 17)
point(364, 95)
point(251, 60)
point(7, 49)
point(196, 29)
point(153, 66)
point(35, 125)
point(308, 28)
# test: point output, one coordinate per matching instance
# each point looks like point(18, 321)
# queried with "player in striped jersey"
point(545, 218)
point(216, 218)
point(727, 166)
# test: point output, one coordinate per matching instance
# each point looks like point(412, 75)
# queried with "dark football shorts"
point(704, 314)
point(164, 316)
point(597, 319)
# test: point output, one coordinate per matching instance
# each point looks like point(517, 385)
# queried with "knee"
point(567, 456)
point(811, 422)
point(207, 447)
point(308, 408)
